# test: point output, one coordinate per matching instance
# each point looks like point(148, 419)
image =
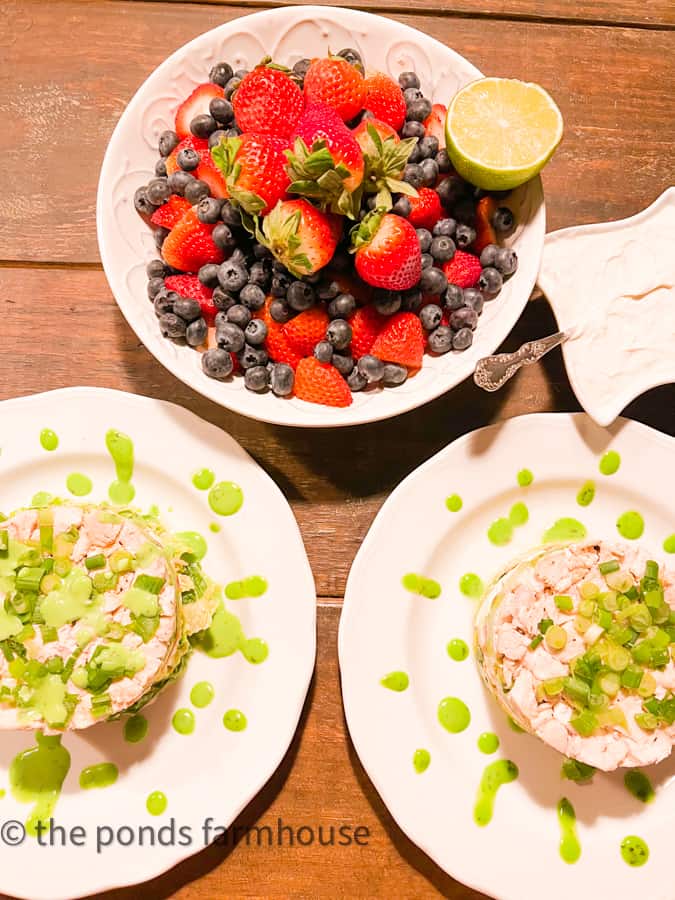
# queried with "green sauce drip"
point(500, 532)
point(569, 847)
point(631, 525)
point(586, 494)
point(453, 714)
point(253, 586)
point(610, 462)
point(669, 544)
point(419, 584)
point(514, 726)
point(457, 649)
point(49, 439)
point(203, 479)
point(78, 485)
point(135, 729)
point(99, 776)
point(525, 478)
point(488, 742)
point(225, 636)
point(639, 785)
point(519, 514)
point(454, 502)
point(156, 803)
point(214, 527)
point(226, 498)
point(471, 586)
point(421, 760)
point(202, 694)
point(235, 720)
point(564, 530)
point(634, 851)
point(121, 449)
point(195, 543)
point(183, 721)
point(36, 776)
point(396, 681)
point(41, 499)
point(255, 650)
point(500, 772)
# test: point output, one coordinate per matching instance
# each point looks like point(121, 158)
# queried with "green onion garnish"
point(611, 565)
point(149, 583)
point(101, 705)
point(544, 625)
point(4, 542)
point(55, 665)
point(29, 578)
point(651, 569)
point(585, 723)
point(647, 721)
point(534, 643)
point(49, 634)
point(564, 603)
point(95, 562)
point(631, 677)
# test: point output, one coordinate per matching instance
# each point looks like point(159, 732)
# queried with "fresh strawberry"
point(425, 209)
point(336, 83)
point(300, 236)
point(170, 212)
point(384, 99)
point(304, 331)
point(463, 269)
point(267, 101)
point(254, 167)
point(401, 341)
point(197, 104)
point(387, 251)
point(191, 286)
point(326, 163)
point(319, 382)
point(278, 346)
point(189, 244)
point(385, 156)
point(366, 323)
point(206, 171)
point(435, 122)
point(485, 233)
point(193, 143)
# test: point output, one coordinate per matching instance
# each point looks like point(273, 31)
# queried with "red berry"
point(387, 252)
point(189, 244)
point(197, 104)
point(254, 167)
point(435, 122)
point(170, 212)
point(267, 102)
point(336, 83)
point(319, 382)
point(463, 269)
point(191, 286)
point(301, 236)
point(425, 209)
point(306, 330)
point(366, 324)
point(485, 233)
point(384, 98)
point(401, 341)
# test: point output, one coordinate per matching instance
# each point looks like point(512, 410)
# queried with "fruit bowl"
point(289, 34)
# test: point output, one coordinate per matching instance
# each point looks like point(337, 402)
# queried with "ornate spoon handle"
point(492, 372)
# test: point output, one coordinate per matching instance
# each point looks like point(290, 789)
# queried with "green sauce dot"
point(98, 776)
point(183, 721)
point(639, 785)
point(564, 530)
point(631, 525)
point(471, 585)
point(255, 650)
point(195, 543)
point(519, 514)
point(586, 494)
point(419, 584)
point(525, 478)
point(135, 729)
point(453, 714)
point(488, 742)
point(634, 851)
point(454, 502)
point(500, 532)
point(202, 694)
point(49, 439)
point(457, 649)
point(395, 681)
point(569, 847)
point(669, 544)
point(214, 527)
point(203, 479)
point(498, 773)
point(421, 760)
point(253, 586)
point(226, 498)
point(610, 462)
point(78, 485)
point(121, 449)
point(235, 720)
point(156, 803)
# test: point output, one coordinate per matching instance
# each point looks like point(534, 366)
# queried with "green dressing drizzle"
point(525, 478)
point(500, 772)
point(41, 499)
point(514, 726)
point(454, 502)
point(610, 462)
point(49, 439)
point(253, 586)
point(183, 721)
point(639, 785)
point(453, 714)
point(98, 776)
point(564, 530)
point(457, 649)
point(471, 586)
point(669, 544)
point(135, 729)
point(569, 847)
point(500, 532)
point(634, 851)
point(631, 525)
point(586, 494)
point(235, 720)
point(78, 485)
point(156, 803)
point(421, 760)
point(121, 449)
point(419, 584)
point(203, 479)
point(226, 498)
point(214, 527)
point(194, 542)
point(519, 514)
point(202, 694)
point(395, 681)
point(225, 636)
point(488, 742)
point(36, 776)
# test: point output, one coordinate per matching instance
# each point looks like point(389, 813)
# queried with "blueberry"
point(419, 110)
point(451, 190)
point(464, 211)
point(301, 67)
point(216, 138)
point(429, 146)
point(231, 275)
point(188, 159)
point(156, 268)
point(221, 73)
point(260, 275)
point(342, 306)
point(411, 95)
point(412, 300)
point(222, 300)
point(339, 334)
point(424, 237)
point(415, 155)
point(442, 248)
point(371, 203)
point(196, 190)
point(252, 296)
point(300, 296)
point(253, 356)
point(187, 308)
point(488, 254)
point(371, 368)
point(328, 290)
point(168, 141)
point(203, 126)
point(323, 351)
point(387, 302)
point(238, 257)
point(506, 261)
point(159, 236)
point(356, 380)
point(462, 339)
point(430, 169)
point(260, 252)
point(440, 340)
point(221, 110)
point(444, 227)
point(402, 207)
point(230, 215)
point(474, 300)
point(232, 131)
point(172, 326)
point(344, 364)
point(503, 220)
point(394, 374)
point(463, 318)
point(282, 378)
point(229, 336)
point(427, 261)
point(443, 160)
point(280, 284)
point(255, 332)
point(313, 279)
point(408, 80)
point(231, 87)
point(178, 181)
point(208, 275)
point(222, 237)
point(453, 297)
point(413, 129)
point(155, 285)
point(196, 332)
point(208, 210)
point(142, 202)
point(430, 316)
point(414, 175)
point(217, 364)
point(164, 301)
point(256, 378)
point(160, 168)
point(433, 281)
point(353, 57)
point(490, 281)
point(239, 314)
point(464, 235)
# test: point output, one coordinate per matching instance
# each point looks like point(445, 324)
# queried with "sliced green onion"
point(641, 619)
point(631, 677)
point(647, 685)
point(577, 771)
point(49, 634)
point(188, 597)
point(544, 625)
point(598, 701)
point(555, 637)
point(534, 643)
point(121, 561)
point(564, 603)
point(651, 569)
point(587, 608)
point(604, 618)
point(95, 562)
point(585, 723)
point(621, 634)
point(29, 578)
point(55, 665)
point(618, 658)
point(4, 542)
point(619, 581)
point(632, 593)
point(105, 581)
point(577, 690)
point(659, 658)
point(609, 601)
point(50, 583)
point(610, 683)
point(149, 583)
point(101, 705)
point(62, 567)
point(589, 590)
point(553, 686)
point(611, 717)
point(582, 624)
point(612, 565)
point(654, 598)
point(646, 721)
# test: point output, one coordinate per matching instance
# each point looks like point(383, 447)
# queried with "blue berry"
point(430, 316)
point(387, 302)
point(203, 126)
point(454, 297)
point(506, 261)
point(256, 378)
point(328, 290)
point(503, 220)
point(172, 326)
point(464, 235)
point(414, 176)
point(230, 214)
point(142, 203)
point(231, 275)
point(301, 67)
point(160, 168)
point(344, 364)
point(178, 181)
point(353, 57)
point(402, 207)
point(300, 296)
point(488, 254)
point(222, 300)
point(255, 332)
point(429, 168)
point(440, 340)
point(168, 141)
point(371, 368)
point(324, 351)
point(187, 308)
point(442, 248)
point(196, 190)
point(474, 300)
point(462, 339)
point(260, 274)
point(217, 364)
point(428, 146)
point(164, 301)
point(339, 333)
point(443, 160)
point(156, 268)
point(253, 356)
point(160, 235)
point(221, 110)
point(208, 210)
point(419, 110)
point(490, 281)
point(196, 332)
point(155, 285)
point(229, 337)
point(221, 73)
point(426, 261)
point(239, 314)
point(280, 311)
point(342, 306)
point(444, 228)
point(252, 296)
point(412, 300)
point(464, 318)
point(408, 80)
point(187, 159)
point(216, 138)
point(356, 380)
point(413, 129)
point(280, 284)
point(424, 237)
point(231, 87)
point(208, 275)
point(282, 379)
point(394, 374)
point(158, 191)
point(433, 281)
point(411, 94)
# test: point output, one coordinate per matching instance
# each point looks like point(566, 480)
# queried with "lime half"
point(501, 132)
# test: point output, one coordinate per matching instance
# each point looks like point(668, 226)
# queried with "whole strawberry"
point(189, 244)
point(300, 236)
point(319, 382)
point(304, 331)
point(268, 101)
point(387, 251)
point(366, 323)
point(170, 212)
point(384, 99)
point(254, 167)
point(336, 83)
point(401, 341)
point(425, 208)
point(385, 156)
point(463, 269)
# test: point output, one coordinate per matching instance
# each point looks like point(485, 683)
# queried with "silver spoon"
point(492, 372)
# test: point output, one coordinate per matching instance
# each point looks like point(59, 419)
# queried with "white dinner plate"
point(385, 628)
point(212, 772)
point(288, 34)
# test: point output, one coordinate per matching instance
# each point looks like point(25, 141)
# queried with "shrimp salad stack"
point(576, 642)
point(96, 607)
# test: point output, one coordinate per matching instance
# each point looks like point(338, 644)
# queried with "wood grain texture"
point(616, 156)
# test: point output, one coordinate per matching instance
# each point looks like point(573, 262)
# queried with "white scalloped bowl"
point(288, 34)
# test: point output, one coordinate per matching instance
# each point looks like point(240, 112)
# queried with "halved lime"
point(501, 132)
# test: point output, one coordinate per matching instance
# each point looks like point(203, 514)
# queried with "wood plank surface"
point(615, 158)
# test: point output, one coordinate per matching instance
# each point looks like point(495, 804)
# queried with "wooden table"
point(67, 69)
